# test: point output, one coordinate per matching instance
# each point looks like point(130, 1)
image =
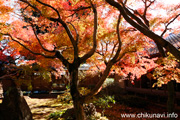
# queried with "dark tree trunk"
point(14, 106)
point(171, 96)
point(79, 111)
point(76, 97)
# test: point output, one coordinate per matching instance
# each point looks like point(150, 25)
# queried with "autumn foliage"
point(107, 35)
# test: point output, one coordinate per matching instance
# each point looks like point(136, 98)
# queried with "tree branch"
point(35, 53)
point(146, 32)
point(75, 43)
point(35, 8)
point(108, 67)
point(65, 26)
point(51, 51)
point(57, 52)
point(146, 6)
point(113, 49)
point(119, 40)
point(166, 27)
point(92, 51)
point(29, 4)
point(62, 59)
point(57, 20)
point(80, 8)
point(77, 35)
point(50, 7)
point(62, 22)
point(127, 12)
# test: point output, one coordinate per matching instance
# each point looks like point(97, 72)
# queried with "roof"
point(172, 38)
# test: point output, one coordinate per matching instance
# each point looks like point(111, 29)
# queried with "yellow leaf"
point(1, 36)
point(133, 59)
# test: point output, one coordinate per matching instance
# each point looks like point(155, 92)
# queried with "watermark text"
point(150, 115)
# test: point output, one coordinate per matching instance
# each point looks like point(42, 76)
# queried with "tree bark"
point(76, 97)
point(79, 111)
point(171, 96)
point(14, 106)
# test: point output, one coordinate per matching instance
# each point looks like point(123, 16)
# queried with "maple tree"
point(13, 102)
point(74, 32)
point(139, 22)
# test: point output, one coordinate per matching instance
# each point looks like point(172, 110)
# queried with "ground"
point(41, 108)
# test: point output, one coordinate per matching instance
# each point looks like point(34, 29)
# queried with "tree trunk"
point(171, 96)
point(14, 106)
point(76, 97)
point(78, 110)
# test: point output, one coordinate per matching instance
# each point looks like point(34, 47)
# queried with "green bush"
point(67, 114)
point(65, 97)
point(103, 102)
point(56, 115)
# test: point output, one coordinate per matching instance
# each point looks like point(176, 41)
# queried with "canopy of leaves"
point(167, 70)
point(40, 31)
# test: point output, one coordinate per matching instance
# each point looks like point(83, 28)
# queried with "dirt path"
point(41, 108)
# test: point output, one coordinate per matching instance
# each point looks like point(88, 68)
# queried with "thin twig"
point(166, 27)
point(77, 35)
point(35, 53)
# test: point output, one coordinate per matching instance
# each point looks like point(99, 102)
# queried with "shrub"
point(103, 102)
point(89, 109)
point(65, 97)
point(56, 115)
